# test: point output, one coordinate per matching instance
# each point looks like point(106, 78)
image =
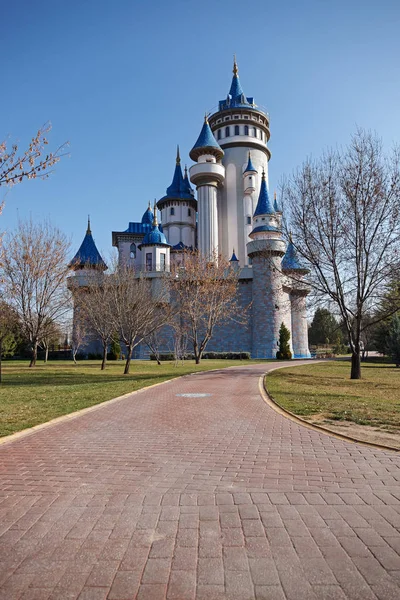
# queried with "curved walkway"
point(165, 494)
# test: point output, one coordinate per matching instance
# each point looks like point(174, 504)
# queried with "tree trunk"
point(103, 362)
point(128, 360)
point(355, 366)
point(74, 352)
point(46, 354)
point(158, 361)
point(34, 355)
point(1, 350)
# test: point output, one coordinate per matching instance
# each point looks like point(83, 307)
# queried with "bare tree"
point(79, 333)
point(344, 212)
point(51, 337)
point(206, 293)
point(32, 163)
point(140, 307)
point(93, 306)
point(8, 323)
point(34, 270)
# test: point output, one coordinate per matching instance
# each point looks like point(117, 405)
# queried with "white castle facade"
point(232, 216)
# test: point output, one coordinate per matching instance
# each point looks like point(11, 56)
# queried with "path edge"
point(272, 403)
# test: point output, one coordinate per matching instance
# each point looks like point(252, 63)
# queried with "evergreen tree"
point(115, 348)
point(393, 341)
point(284, 348)
point(324, 327)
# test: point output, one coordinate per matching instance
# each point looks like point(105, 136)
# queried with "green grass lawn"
point(325, 389)
point(32, 396)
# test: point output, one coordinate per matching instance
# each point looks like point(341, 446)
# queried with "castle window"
point(236, 129)
point(227, 131)
point(149, 261)
point(250, 260)
point(254, 132)
point(246, 117)
point(172, 211)
point(219, 134)
point(248, 220)
point(246, 130)
point(236, 117)
point(133, 251)
point(227, 118)
point(189, 212)
point(162, 262)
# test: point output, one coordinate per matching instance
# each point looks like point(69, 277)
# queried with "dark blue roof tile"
point(264, 206)
point(88, 256)
point(290, 262)
point(206, 144)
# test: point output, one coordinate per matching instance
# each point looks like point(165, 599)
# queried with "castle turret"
point(266, 250)
point(239, 126)
point(155, 250)
point(88, 258)
point(296, 273)
point(207, 175)
point(178, 209)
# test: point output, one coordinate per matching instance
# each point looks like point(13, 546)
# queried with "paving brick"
point(223, 499)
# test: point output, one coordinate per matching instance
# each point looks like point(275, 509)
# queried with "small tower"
point(155, 250)
point(178, 209)
point(296, 273)
point(207, 175)
point(234, 261)
point(250, 186)
point(88, 258)
point(266, 250)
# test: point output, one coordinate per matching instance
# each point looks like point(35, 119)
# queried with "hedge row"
point(207, 355)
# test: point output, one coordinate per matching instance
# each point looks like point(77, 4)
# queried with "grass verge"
point(29, 397)
point(325, 390)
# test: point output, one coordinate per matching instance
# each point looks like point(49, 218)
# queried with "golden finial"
point(235, 67)
point(274, 194)
point(263, 173)
point(155, 222)
point(88, 231)
point(185, 170)
point(149, 208)
point(205, 117)
point(178, 157)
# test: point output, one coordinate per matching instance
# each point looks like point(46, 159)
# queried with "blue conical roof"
point(186, 181)
point(206, 143)
point(264, 206)
point(234, 258)
point(290, 262)
point(277, 205)
point(180, 186)
point(148, 216)
point(236, 97)
point(155, 236)
point(88, 256)
point(250, 166)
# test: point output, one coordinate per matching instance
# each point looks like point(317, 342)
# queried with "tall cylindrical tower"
point(295, 273)
point(266, 250)
point(239, 126)
point(207, 175)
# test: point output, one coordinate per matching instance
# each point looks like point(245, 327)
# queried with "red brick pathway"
point(166, 496)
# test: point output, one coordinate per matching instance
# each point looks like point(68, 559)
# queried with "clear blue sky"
point(125, 81)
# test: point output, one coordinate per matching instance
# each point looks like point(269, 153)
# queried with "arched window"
point(227, 131)
point(172, 211)
point(246, 130)
point(254, 132)
point(248, 220)
point(236, 129)
point(133, 251)
point(219, 134)
point(189, 212)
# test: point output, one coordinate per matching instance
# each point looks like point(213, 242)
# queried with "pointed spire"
point(88, 257)
point(234, 258)
point(178, 156)
point(206, 144)
point(277, 206)
point(148, 216)
point(250, 167)
point(235, 67)
point(291, 262)
point(264, 206)
point(155, 222)
point(186, 175)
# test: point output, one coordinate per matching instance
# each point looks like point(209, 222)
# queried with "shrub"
point(284, 348)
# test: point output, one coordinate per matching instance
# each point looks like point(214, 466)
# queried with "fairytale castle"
point(233, 216)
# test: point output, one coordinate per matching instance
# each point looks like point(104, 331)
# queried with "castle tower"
point(155, 250)
point(250, 186)
point(295, 272)
point(266, 249)
point(207, 175)
point(86, 261)
point(239, 126)
point(178, 209)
